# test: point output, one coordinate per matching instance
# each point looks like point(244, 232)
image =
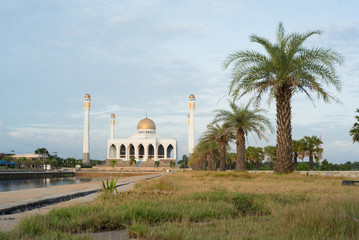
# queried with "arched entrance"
point(141, 151)
point(170, 151)
point(112, 151)
point(122, 151)
point(161, 151)
point(131, 150)
point(151, 152)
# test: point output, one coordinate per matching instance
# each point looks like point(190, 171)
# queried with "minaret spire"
point(112, 133)
point(86, 146)
point(191, 124)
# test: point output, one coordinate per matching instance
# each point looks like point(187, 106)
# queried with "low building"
point(31, 156)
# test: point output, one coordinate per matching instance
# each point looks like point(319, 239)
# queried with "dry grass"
point(212, 205)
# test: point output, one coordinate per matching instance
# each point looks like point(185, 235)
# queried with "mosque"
point(145, 144)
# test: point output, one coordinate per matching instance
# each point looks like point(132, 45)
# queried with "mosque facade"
point(144, 145)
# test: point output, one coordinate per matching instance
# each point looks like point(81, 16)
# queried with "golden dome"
point(191, 96)
point(112, 115)
point(87, 95)
point(146, 123)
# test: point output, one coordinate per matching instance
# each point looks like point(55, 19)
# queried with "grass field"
point(211, 205)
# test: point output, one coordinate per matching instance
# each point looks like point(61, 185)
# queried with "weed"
point(110, 187)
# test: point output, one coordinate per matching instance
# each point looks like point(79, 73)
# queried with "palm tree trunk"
point(213, 162)
point(241, 149)
point(271, 165)
point(284, 131)
point(311, 161)
point(222, 147)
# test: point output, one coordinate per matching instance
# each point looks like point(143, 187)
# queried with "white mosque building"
point(144, 145)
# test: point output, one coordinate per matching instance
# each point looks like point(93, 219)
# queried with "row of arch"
point(141, 152)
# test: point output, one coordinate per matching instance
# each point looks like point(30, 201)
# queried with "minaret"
point(86, 149)
point(112, 134)
point(191, 124)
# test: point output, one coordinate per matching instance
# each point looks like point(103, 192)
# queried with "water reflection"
point(18, 184)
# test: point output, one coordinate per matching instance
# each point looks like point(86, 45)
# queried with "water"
point(18, 184)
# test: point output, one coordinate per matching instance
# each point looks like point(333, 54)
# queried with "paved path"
point(28, 196)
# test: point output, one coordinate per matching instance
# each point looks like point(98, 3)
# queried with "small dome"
point(87, 95)
point(146, 123)
point(191, 96)
point(112, 115)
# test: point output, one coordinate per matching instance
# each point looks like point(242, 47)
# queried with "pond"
point(18, 184)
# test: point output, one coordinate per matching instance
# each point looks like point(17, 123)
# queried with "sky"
point(136, 57)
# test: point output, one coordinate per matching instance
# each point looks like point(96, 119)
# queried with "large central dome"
point(146, 123)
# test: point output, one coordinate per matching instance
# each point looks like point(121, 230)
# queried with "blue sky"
point(138, 56)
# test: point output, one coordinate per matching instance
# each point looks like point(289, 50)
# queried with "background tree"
point(221, 134)
point(286, 68)
point(312, 146)
point(244, 121)
point(113, 163)
point(297, 148)
point(270, 152)
point(157, 164)
point(354, 132)
point(205, 155)
point(132, 161)
point(41, 151)
point(183, 162)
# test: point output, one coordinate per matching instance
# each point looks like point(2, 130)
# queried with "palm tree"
point(287, 67)
point(312, 146)
point(221, 134)
point(270, 152)
point(354, 132)
point(297, 146)
point(244, 121)
point(113, 163)
point(205, 152)
point(132, 161)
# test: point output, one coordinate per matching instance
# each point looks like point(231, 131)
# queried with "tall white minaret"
point(191, 124)
point(112, 134)
point(86, 149)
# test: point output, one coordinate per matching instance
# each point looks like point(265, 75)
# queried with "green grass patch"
point(210, 205)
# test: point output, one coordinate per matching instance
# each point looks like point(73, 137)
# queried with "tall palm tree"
point(221, 134)
point(287, 67)
point(244, 120)
point(312, 146)
point(354, 132)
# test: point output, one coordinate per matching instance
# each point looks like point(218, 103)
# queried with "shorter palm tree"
point(113, 163)
point(132, 161)
point(312, 147)
point(297, 149)
point(244, 120)
point(270, 152)
point(222, 134)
